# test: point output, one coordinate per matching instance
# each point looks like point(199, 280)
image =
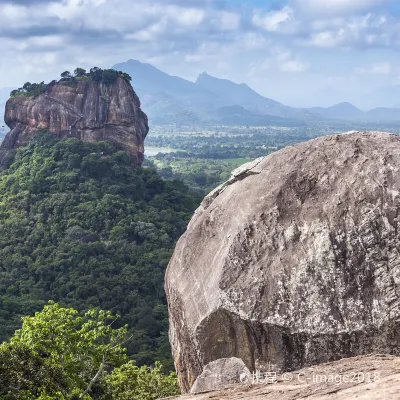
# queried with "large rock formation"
point(86, 110)
point(294, 261)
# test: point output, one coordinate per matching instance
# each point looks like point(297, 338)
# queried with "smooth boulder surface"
point(294, 261)
point(86, 110)
point(221, 372)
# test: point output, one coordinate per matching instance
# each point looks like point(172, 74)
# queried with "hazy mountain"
point(166, 98)
point(339, 111)
point(384, 114)
point(148, 79)
point(241, 94)
point(170, 99)
point(237, 93)
point(238, 115)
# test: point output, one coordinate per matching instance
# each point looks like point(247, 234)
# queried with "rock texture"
point(221, 372)
point(360, 378)
point(294, 261)
point(86, 110)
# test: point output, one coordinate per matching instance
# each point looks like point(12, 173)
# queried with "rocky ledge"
point(90, 111)
point(295, 261)
point(360, 378)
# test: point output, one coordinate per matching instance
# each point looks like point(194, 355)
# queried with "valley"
point(204, 157)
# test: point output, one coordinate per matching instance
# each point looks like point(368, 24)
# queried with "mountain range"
point(171, 100)
point(209, 100)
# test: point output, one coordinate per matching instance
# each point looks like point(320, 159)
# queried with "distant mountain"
point(148, 79)
point(344, 111)
point(241, 94)
point(237, 93)
point(172, 100)
point(168, 98)
point(384, 114)
point(238, 115)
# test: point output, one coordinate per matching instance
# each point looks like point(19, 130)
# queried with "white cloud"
point(335, 7)
point(228, 21)
point(275, 20)
point(381, 68)
point(288, 63)
point(279, 60)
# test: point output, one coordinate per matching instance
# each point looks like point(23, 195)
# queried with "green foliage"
point(107, 76)
point(130, 382)
point(82, 225)
point(60, 353)
point(202, 175)
point(80, 72)
point(30, 89)
point(24, 374)
point(66, 75)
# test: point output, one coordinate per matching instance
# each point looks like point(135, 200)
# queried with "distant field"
point(201, 174)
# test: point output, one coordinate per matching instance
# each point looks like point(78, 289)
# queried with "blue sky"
point(299, 52)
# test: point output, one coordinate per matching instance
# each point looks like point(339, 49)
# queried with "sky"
point(299, 52)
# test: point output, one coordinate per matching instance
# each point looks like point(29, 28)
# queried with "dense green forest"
point(80, 224)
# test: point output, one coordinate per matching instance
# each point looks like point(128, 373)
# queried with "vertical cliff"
point(88, 110)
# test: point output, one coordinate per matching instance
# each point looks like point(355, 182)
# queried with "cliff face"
point(86, 110)
point(295, 261)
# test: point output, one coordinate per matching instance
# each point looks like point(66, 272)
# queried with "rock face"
point(86, 110)
point(359, 378)
point(295, 261)
point(220, 373)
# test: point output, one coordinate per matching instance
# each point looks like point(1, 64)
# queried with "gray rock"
point(219, 373)
point(360, 378)
point(293, 262)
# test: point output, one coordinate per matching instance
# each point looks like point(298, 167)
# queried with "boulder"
point(219, 373)
point(294, 261)
point(84, 109)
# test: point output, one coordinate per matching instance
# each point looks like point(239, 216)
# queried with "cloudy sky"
point(300, 52)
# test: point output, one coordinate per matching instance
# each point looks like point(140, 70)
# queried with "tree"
point(125, 75)
point(130, 382)
point(60, 354)
point(79, 347)
point(79, 72)
point(109, 76)
point(25, 374)
point(27, 86)
point(66, 75)
point(96, 74)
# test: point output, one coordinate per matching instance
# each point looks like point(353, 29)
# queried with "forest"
point(83, 226)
